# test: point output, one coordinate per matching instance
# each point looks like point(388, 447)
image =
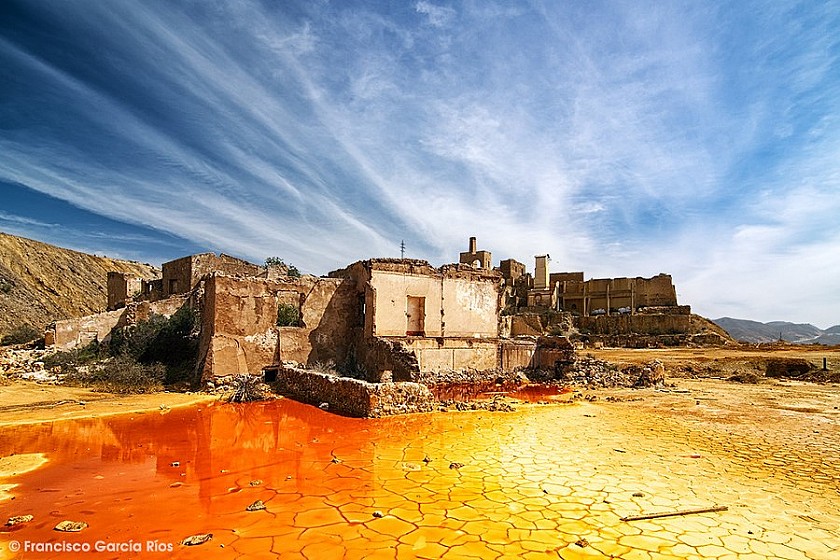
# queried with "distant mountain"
point(40, 283)
point(798, 333)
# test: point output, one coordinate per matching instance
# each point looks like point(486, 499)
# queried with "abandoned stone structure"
point(380, 319)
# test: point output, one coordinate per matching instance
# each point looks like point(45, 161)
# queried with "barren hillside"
point(40, 283)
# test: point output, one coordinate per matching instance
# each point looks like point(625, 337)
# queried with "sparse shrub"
point(120, 375)
point(21, 335)
point(71, 359)
point(291, 269)
point(327, 367)
point(246, 388)
point(288, 315)
point(746, 377)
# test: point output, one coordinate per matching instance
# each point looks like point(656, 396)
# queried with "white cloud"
point(438, 16)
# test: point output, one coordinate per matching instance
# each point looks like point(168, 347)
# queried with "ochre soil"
point(26, 402)
point(722, 361)
point(546, 481)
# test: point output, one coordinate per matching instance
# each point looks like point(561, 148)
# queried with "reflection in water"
point(479, 485)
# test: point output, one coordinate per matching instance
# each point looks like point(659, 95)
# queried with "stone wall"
point(651, 324)
point(352, 397)
point(239, 323)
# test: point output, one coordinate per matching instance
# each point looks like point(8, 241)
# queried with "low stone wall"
point(352, 397)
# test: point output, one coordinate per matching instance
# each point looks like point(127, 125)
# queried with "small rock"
point(194, 540)
point(619, 450)
point(70, 526)
point(378, 514)
point(427, 459)
point(638, 495)
point(256, 506)
point(582, 542)
point(174, 464)
point(335, 460)
point(256, 482)
point(456, 465)
point(18, 519)
point(82, 403)
point(324, 406)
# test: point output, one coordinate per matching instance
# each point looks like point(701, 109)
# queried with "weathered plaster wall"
point(240, 334)
point(390, 302)
point(453, 354)
point(470, 307)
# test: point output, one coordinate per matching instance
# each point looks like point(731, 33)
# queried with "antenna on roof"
point(402, 249)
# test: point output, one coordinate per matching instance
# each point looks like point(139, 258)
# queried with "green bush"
point(288, 315)
point(20, 335)
point(171, 342)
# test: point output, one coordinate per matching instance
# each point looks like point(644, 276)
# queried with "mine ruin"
point(380, 335)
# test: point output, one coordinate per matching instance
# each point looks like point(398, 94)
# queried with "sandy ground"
point(677, 358)
point(26, 402)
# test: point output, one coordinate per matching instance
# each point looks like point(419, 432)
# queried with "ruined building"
point(382, 319)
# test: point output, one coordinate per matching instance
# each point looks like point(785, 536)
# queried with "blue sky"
point(700, 139)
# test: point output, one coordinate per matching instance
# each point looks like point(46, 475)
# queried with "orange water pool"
point(542, 482)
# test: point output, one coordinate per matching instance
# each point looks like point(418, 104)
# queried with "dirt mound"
point(40, 283)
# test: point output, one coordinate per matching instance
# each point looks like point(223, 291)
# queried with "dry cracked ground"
point(546, 481)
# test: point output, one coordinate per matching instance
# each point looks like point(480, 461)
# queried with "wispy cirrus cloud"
point(623, 138)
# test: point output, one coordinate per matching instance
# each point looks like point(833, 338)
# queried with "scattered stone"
point(259, 505)
point(378, 514)
point(638, 495)
point(256, 482)
point(176, 484)
point(175, 464)
point(70, 526)
point(456, 465)
point(410, 467)
point(428, 459)
point(194, 540)
point(335, 460)
point(324, 406)
point(619, 450)
point(582, 542)
point(18, 519)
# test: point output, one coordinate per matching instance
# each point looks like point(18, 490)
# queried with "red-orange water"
point(528, 484)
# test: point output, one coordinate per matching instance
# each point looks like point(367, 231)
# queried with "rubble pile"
point(26, 363)
point(592, 373)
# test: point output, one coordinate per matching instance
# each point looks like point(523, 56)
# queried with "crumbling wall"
point(660, 324)
point(122, 288)
point(353, 397)
point(182, 275)
point(382, 359)
point(656, 291)
point(71, 333)
point(240, 332)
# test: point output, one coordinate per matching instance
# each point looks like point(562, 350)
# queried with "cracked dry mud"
point(546, 481)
